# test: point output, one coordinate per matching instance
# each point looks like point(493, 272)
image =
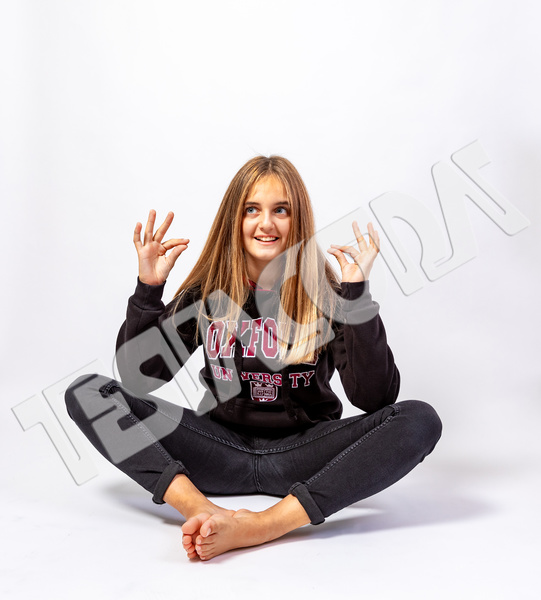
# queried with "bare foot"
point(219, 533)
point(194, 506)
point(191, 529)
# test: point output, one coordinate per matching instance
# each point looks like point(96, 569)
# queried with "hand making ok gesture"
point(154, 263)
point(364, 257)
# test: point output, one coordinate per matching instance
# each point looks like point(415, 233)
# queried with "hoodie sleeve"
point(150, 346)
point(361, 354)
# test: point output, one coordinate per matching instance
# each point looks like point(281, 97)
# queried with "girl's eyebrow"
point(254, 203)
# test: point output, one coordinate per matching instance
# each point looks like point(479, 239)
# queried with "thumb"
point(175, 253)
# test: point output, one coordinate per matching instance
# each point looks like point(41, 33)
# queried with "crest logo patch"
point(263, 392)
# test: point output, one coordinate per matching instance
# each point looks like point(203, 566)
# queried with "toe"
point(193, 524)
point(207, 527)
point(187, 541)
point(203, 552)
point(192, 554)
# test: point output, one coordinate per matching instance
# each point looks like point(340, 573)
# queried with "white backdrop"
point(108, 109)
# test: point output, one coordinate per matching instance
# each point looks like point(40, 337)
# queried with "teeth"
point(266, 239)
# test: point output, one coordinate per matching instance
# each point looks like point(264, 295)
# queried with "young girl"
point(274, 323)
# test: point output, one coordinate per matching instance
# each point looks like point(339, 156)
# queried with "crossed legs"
point(179, 457)
point(333, 465)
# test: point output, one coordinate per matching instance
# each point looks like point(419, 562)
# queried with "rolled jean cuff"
point(300, 491)
point(175, 468)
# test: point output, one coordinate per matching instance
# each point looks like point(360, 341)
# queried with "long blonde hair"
point(222, 263)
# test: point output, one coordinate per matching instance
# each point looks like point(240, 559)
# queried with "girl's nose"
point(266, 219)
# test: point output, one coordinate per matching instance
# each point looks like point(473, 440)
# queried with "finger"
point(342, 260)
point(374, 237)
point(356, 255)
point(353, 252)
point(137, 235)
point(359, 236)
point(175, 242)
point(149, 227)
point(162, 229)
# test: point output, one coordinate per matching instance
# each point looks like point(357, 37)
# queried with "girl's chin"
point(265, 258)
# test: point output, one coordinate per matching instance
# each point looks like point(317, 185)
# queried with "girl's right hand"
point(154, 265)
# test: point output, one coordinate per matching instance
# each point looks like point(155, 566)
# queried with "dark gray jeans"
point(327, 467)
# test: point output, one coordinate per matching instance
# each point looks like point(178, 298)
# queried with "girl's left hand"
point(364, 257)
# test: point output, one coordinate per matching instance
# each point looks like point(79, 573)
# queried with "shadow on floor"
point(443, 492)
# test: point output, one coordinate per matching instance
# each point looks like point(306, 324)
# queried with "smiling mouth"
point(266, 239)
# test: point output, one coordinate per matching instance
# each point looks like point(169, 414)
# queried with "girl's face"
point(265, 225)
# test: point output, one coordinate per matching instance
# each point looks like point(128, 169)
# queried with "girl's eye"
point(281, 210)
point(250, 210)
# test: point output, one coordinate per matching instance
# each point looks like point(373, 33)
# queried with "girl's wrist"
point(150, 282)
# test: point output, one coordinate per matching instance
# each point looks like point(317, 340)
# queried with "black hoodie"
point(247, 386)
